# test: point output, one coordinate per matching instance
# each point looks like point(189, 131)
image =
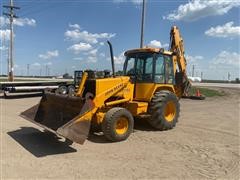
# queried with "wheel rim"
point(170, 111)
point(62, 90)
point(121, 125)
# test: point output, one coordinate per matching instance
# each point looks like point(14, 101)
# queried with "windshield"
point(149, 67)
point(143, 64)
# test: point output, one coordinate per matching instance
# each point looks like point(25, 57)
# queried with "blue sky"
point(70, 35)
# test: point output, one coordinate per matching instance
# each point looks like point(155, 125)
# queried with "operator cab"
point(149, 65)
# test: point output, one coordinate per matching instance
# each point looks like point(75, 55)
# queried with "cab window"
point(144, 68)
point(130, 66)
point(169, 70)
point(159, 71)
point(148, 69)
point(139, 69)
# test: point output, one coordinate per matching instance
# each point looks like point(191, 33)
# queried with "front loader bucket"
point(62, 115)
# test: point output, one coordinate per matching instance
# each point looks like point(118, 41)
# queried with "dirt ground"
point(204, 145)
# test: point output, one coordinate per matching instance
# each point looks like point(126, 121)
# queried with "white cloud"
point(166, 45)
point(102, 55)
point(224, 31)
point(193, 59)
point(3, 48)
point(119, 60)
point(224, 63)
point(4, 34)
point(48, 64)
point(75, 26)
point(80, 47)
point(92, 38)
point(226, 58)
point(93, 52)
point(196, 9)
point(49, 54)
point(3, 21)
point(24, 22)
point(92, 59)
point(216, 67)
point(197, 61)
point(101, 43)
point(36, 64)
point(157, 44)
point(18, 22)
point(136, 2)
point(78, 58)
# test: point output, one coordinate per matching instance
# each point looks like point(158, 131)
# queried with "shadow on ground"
point(140, 124)
point(39, 143)
point(98, 137)
point(42, 144)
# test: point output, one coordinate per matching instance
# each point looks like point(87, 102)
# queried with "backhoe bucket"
point(62, 115)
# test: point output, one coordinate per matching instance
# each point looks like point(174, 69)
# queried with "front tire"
point(164, 109)
point(117, 124)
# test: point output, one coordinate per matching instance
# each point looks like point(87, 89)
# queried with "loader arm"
point(177, 47)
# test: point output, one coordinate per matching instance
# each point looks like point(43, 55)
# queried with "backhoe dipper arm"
point(177, 47)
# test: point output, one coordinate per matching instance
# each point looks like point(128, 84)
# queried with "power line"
point(11, 15)
point(40, 7)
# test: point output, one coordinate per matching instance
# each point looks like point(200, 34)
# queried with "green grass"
point(206, 92)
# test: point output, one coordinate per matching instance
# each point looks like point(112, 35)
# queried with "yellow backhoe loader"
point(153, 82)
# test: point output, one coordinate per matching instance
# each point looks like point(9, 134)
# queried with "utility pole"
point(229, 77)
point(201, 75)
point(49, 71)
point(142, 24)
point(193, 67)
point(11, 16)
point(46, 69)
point(40, 71)
point(28, 67)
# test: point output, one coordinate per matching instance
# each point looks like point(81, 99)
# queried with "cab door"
point(149, 71)
point(152, 71)
point(144, 79)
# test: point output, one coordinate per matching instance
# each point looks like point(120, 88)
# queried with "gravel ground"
point(204, 145)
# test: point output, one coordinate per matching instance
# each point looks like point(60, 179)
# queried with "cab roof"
point(147, 50)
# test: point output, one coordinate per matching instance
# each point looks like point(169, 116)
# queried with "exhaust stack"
point(112, 58)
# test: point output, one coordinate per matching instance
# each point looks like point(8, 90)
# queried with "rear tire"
point(164, 109)
point(117, 124)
